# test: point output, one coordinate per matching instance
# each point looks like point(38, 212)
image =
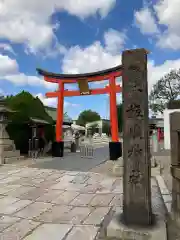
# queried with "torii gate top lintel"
point(72, 78)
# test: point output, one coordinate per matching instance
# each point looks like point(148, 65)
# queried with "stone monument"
point(175, 164)
point(8, 150)
point(137, 209)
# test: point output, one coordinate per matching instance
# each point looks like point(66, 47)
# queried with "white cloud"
point(155, 72)
point(114, 40)
point(95, 57)
point(167, 13)
point(9, 70)
point(92, 58)
point(7, 65)
point(22, 79)
point(6, 47)
point(29, 22)
point(52, 102)
point(144, 19)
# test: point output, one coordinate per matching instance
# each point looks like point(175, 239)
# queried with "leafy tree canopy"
point(165, 90)
point(26, 106)
point(88, 116)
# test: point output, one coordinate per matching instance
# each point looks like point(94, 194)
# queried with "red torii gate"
point(83, 80)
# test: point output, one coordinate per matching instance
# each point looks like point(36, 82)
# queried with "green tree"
point(165, 90)
point(88, 116)
point(26, 106)
point(120, 116)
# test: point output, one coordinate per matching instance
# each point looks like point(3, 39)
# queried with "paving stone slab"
point(67, 178)
point(83, 232)
point(50, 231)
point(117, 200)
point(20, 190)
point(15, 207)
point(75, 216)
point(33, 210)
point(82, 200)
point(54, 214)
point(10, 179)
point(5, 188)
point(75, 187)
point(60, 185)
point(18, 230)
point(118, 186)
point(97, 216)
point(33, 194)
point(102, 200)
point(71, 173)
point(7, 200)
point(50, 195)
point(54, 176)
point(32, 181)
point(48, 184)
point(65, 198)
point(6, 221)
point(80, 178)
point(95, 178)
point(90, 188)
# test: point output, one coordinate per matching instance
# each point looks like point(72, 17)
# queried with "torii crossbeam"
point(83, 82)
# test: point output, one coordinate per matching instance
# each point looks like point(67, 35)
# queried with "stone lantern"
point(4, 138)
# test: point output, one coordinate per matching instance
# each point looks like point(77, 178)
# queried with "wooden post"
point(137, 208)
point(113, 110)
point(60, 106)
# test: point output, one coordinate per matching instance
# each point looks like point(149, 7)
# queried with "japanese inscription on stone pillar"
point(136, 151)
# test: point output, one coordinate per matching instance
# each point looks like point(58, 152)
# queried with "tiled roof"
point(53, 113)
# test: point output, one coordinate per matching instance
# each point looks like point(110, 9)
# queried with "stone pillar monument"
point(175, 164)
point(137, 208)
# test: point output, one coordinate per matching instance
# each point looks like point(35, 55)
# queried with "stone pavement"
point(74, 162)
point(51, 204)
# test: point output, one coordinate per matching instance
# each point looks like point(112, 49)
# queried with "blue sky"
point(76, 36)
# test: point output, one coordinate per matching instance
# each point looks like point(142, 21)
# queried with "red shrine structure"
point(83, 82)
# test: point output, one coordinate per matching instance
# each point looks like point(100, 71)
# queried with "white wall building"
point(167, 143)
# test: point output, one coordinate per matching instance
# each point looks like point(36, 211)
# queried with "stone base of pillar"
point(118, 230)
point(115, 150)
point(118, 168)
point(58, 149)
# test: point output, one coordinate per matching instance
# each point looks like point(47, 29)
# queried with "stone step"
point(100, 141)
point(13, 159)
point(9, 154)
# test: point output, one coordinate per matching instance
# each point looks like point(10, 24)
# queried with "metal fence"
point(33, 150)
point(87, 151)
